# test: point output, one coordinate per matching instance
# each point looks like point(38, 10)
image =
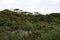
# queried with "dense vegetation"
point(26, 26)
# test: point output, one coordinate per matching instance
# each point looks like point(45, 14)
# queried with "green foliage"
point(26, 26)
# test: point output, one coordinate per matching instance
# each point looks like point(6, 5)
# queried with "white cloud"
point(43, 6)
point(7, 2)
point(52, 1)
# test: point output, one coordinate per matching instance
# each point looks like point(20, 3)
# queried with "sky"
point(41, 6)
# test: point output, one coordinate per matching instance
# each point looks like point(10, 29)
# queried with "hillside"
point(26, 26)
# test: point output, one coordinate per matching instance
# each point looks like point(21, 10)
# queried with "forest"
point(22, 25)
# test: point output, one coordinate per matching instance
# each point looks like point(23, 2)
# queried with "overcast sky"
point(42, 6)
